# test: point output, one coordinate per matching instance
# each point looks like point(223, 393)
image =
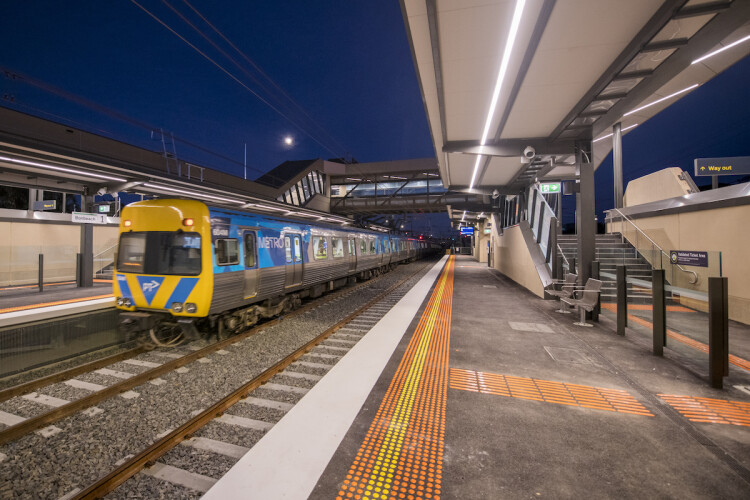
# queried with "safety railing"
point(644, 245)
point(103, 262)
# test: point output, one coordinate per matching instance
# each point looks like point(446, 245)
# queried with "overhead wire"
point(228, 73)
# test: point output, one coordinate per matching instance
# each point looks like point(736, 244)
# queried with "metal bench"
point(566, 291)
point(588, 300)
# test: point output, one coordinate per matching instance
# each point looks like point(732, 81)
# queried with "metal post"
point(617, 162)
point(714, 182)
point(598, 306)
point(659, 312)
point(79, 262)
point(41, 272)
point(622, 300)
point(552, 248)
point(585, 210)
point(718, 331)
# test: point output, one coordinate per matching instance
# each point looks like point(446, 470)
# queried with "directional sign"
point(467, 231)
point(734, 165)
point(550, 187)
point(45, 205)
point(688, 258)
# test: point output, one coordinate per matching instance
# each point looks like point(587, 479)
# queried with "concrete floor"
point(509, 447)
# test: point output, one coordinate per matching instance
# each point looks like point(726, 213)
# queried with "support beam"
point(511, 147)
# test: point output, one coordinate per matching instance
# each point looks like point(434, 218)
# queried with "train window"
point(320, 246)
point(227, 251)
point(250, 260)
point(297, 248)
point(372, 246)
point(131, 253)
point(160, 252)
point(337, 247)
point(352, 248)
point(288, 247)
point(362, 246)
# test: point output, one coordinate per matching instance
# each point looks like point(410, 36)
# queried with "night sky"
point(342, 84)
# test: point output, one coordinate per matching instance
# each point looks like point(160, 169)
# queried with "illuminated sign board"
point(45, 205)
point(467, 231)
point(550, 187)
point(734, 165)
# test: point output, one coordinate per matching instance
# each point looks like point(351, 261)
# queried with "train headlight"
point(120, 301)
point(191, 308)
point(177, 307)
point(127, 302)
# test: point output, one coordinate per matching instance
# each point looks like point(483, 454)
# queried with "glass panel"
point(288, 248)
point(311, 181)
point(227, 252)
point(295, 198)
point(304, 192)
point(537, 216)
point(297, 249)
point(250, 250)
point(320, 246)
point(362, 246)
point(337, 247)
point(158, 252)
point(372, 246)
point(14, 198)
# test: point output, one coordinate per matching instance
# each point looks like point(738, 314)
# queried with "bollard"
point(41, 273)
point(718, 331)
point(598, 307)
point(622, 300)
point(659, 312)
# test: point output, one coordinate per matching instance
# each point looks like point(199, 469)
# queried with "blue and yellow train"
point(184, 268)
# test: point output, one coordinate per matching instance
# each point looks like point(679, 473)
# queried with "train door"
point(251, 264)
point(293, 249)
point(352, 255)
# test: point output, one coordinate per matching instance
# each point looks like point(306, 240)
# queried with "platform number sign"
point(550, 187)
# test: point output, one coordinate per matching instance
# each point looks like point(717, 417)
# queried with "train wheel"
point(166, 335)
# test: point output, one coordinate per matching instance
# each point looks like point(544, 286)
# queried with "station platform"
point(24, 304)
point(472, 387)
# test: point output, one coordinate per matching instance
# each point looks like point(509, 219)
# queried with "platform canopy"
point(500, 78)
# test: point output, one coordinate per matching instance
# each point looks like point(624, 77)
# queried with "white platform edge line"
point(289, 460)
point(40, 313)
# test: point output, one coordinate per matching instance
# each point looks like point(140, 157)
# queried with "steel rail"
point(32, 385)
point(31, 424)
point(147, 457)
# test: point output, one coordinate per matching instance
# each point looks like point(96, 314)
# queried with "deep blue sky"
point(346, 63)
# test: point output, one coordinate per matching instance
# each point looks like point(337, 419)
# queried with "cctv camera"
point(102, 191)
point(529, 152)
point(495, 194)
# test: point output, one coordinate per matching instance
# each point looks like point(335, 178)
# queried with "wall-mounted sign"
point(86, 218)
point(487, 230)
point(40, 206)
point(550, 187)
point(688, 258)
point(734, 165)
point(467, 231)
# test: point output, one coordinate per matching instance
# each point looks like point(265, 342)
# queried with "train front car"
point(163, 273)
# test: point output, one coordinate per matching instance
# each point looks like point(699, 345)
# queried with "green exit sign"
point(550, 187)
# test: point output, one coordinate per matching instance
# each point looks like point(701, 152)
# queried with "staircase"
point(611, 251)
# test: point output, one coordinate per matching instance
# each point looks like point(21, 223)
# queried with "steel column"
point(597, 307)
point(585, 210)
point(659, 312)
point(617, 162)
point(41, 272)
point(86, 269)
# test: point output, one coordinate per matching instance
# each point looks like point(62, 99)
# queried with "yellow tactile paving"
point(401, 455)
point(596, 398)
point(709, 410)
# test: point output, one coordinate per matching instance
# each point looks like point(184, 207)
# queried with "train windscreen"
point(160, 252)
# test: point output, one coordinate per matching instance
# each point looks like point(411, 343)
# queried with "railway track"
point(319, 354)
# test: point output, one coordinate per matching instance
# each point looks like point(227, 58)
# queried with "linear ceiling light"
point(515, 23)
point(719, 51)
point(464, 216)
point(662, 99)
point(62, 169)
point(610, 135)
point(190, 193)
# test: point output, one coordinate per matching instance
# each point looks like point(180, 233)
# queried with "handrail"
point(559, 249)
point(105, 251)
point(625, 217)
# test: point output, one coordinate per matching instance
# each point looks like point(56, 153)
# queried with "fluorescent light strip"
point(269, 208)
point(662, 99)
point(515, 23)
point(610, 135)
point(191, 193)
point(464, 216)
point(719, 51)
point(61, 169)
